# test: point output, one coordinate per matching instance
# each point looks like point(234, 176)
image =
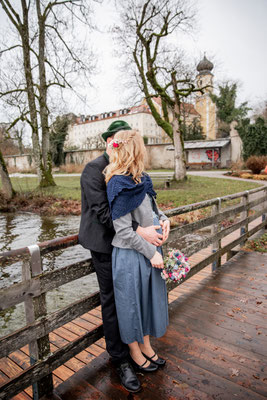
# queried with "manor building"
point(85, 132)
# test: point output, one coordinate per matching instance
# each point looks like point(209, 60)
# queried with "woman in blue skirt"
point(140, 292)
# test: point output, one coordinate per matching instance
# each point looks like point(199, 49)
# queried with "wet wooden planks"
point(20, 360)
point(216, 344)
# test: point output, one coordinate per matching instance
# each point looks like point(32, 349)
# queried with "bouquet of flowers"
point(176, 266)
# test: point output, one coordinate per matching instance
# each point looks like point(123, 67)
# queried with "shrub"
point(256, 163)
point(246, 175)
point(260, 177)
point(237, 166)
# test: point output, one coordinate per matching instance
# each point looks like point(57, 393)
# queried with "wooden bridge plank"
point(79, 389)
point(223, 334)
point(85, 357)
point(63, 372)
point(3, 377)
point(95, 350)
point(66, 334)
point(96, 312)
point(9, 367)
point(84, 324)
point(217, 360)
point(229, 295)
point(204, 380)
point(221, 309)
point(101, 343)
point(22, 396)
point(226, 320)
point(40, 369)
point(59, 341)
point(74, 364)
point(193, 340)
point(74, 328)
point(80, 359)
point(91, 318)
point(103, 377)
point(20, 358)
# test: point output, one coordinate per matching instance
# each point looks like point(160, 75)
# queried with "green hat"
point(115, 127)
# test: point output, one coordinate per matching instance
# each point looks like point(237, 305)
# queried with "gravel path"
point(208, 174)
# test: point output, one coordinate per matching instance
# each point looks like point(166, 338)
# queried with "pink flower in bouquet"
point(176, 266)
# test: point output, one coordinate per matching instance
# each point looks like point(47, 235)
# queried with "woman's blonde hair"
point(127, 156)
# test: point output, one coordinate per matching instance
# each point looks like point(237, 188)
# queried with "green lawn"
point(193, 190)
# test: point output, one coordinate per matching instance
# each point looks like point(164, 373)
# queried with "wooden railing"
point(36, 283)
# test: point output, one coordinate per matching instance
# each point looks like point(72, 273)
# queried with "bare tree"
point(44, 55)
point(144, 33)
point(7, 188)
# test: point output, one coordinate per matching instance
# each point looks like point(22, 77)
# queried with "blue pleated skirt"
point(140, 295)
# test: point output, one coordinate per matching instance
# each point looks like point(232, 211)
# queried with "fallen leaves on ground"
point(181, 385)
point(234, 372)
point(247, 337)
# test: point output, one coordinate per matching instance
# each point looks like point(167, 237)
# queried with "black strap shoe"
point(159, 361)
point(150, 368)
point(128, 377)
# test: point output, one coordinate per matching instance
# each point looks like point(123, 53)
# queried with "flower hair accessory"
point(176, 266)
point(115, 142)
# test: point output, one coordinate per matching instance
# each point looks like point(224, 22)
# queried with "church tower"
point(204, 105)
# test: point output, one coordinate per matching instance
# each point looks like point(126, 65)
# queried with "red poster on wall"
point(216, 154)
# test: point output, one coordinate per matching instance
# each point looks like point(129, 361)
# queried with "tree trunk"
point(20, 144)
point(24, 33)
point(179, 157)
point(7, 188)
point(47, 178)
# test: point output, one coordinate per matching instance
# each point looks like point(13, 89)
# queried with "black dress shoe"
point(128, 377)
point(160, 361)
point(150, 368)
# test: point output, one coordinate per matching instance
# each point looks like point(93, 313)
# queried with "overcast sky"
point(233, 34)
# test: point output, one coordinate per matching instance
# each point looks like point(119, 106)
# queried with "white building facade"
point(84, 133)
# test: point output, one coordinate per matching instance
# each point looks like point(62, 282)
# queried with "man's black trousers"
point(115, 347)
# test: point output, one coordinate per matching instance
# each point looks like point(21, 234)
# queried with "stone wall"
point(81, 157)
point(158, 156)
point(23, 162)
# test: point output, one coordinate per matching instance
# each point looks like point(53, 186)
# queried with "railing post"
point(264, 207)
point(215, 228)
point(35, 308)
point(244, 214)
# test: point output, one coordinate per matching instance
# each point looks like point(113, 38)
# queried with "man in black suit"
point(96, 234)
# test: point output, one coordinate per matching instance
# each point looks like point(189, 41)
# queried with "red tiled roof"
point(187, 107)
point(142, 108)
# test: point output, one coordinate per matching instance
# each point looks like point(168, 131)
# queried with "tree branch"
point(11, 13)
point(10, 48)
point(2, 94)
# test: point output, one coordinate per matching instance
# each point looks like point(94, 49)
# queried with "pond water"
point(23, 229)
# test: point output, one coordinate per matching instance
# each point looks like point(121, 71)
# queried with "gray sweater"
point(127, 238)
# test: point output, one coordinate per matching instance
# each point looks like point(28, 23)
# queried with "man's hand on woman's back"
point(150, 234)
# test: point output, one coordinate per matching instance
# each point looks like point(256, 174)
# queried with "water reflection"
point(7, 234)
point(24, 229)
